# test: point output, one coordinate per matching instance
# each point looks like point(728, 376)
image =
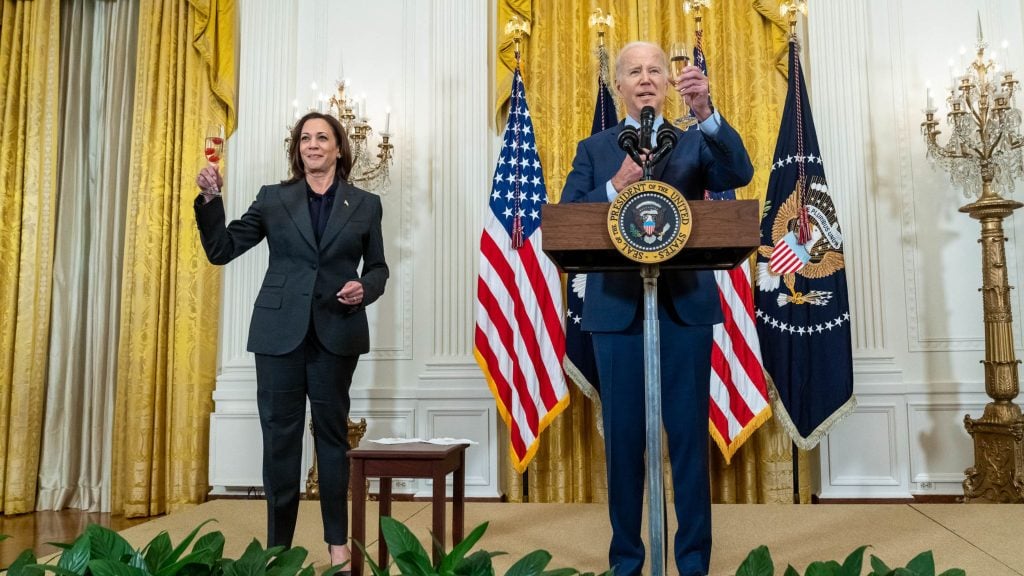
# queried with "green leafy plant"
point(411, 558)
point(99, 551)
point(759, 563)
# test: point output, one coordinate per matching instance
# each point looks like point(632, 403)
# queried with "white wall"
point(914, 264)
point(913, 260)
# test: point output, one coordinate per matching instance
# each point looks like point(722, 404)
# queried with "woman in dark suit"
point(309, 320)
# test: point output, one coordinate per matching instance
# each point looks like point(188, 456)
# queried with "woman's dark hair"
point(297, 170)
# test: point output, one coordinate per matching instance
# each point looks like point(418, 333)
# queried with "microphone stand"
point(647, 168)
point(657, 529)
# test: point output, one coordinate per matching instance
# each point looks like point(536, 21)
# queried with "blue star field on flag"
point(518, 190)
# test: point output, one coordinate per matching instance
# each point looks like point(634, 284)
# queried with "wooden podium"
point(723, 234)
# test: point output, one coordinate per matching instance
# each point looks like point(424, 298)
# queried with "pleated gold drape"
point(745, 44)
point(29, 109)
point(185, 81)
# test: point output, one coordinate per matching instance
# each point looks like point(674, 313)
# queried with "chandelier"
point(985, 141)
point(369, 171)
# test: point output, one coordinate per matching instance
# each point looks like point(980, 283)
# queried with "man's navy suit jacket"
point(303, 277)
point(697, 163)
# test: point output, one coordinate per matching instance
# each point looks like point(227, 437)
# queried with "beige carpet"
point(983, 540)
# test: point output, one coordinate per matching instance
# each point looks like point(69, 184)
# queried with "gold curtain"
point(29, 119)
point(745, 45)
point(185, 81)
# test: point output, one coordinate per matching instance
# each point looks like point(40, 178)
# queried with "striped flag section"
point(739, 391)
point(520, 335)
point(788, 257)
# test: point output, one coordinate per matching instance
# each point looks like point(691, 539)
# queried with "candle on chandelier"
point(387, 120)
point(929, 103)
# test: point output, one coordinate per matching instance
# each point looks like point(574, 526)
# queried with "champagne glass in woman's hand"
point(213, 151)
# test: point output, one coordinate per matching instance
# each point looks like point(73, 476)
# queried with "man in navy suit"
point(710, 158)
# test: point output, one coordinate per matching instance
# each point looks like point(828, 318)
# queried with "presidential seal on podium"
point(649, 221)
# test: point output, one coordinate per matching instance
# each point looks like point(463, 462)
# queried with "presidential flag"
point(803, 311)
point(520, 339)
point(739, 393)
point(580, 364)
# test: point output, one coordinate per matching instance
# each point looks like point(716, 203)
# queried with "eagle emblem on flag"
point(818, 256)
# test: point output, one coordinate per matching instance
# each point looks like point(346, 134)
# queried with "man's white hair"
point(638, 44)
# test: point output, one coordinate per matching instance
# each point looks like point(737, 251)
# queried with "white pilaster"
point(255, 157)
point(838, 49)
point(462, 170)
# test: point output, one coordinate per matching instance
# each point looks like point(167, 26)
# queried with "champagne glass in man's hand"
point(678, 60)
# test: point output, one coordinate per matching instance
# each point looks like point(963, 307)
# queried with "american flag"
point(520, 337)
point(739, 392)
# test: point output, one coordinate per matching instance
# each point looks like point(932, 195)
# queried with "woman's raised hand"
point(209, 179)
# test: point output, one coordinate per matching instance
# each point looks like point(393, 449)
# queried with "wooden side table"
point(414, 460)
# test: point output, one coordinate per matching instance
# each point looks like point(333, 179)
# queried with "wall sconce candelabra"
point(369, 171)
point(983, 156)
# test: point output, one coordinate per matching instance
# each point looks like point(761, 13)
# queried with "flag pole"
point(790, 10)
point(796, 474)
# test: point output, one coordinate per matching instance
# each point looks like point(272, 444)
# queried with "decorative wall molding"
point(841, 103)
point(923, 186)
point(266, 74)
point(461, 175)
point(876, 423)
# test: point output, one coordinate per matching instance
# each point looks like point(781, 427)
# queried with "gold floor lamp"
point(983, 156)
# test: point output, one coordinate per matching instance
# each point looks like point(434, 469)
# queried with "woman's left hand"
point(351, 294)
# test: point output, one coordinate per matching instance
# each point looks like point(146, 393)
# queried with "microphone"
point(666, 139)
point(629, 141)
point(666, 136)
point(646, 126)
